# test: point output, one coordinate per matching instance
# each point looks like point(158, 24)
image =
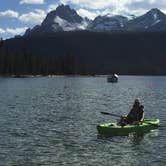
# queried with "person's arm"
point(130, 113)
point(142, 116)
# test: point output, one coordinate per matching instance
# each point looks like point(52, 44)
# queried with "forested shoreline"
point(23, 63)
point(84, 53)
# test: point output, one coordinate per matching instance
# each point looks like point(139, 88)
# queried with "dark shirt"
point(135, 114)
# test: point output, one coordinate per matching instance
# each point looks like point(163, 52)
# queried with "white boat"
point(112, 78)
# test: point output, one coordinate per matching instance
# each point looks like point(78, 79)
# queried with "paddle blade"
point(106, 113)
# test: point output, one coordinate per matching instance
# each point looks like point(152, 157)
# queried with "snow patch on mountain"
point(156, 22)
point(67, 26)
point(155, 16)
point(108, 23)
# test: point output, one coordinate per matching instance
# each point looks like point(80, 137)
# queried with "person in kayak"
point(135, 116)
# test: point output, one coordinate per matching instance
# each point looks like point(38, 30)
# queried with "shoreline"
point(76, 75)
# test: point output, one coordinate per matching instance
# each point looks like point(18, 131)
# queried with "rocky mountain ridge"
point(66, 19)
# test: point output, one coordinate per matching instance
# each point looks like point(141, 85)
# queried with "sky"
point(18, 15)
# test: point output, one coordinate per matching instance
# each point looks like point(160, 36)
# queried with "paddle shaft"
point(106, 113)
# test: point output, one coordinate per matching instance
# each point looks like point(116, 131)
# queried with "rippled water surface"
point(52, 121)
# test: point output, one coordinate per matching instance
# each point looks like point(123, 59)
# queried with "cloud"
point(52, 7)
point(87, 13)
point(103, 6)
point(147, 4)
point(13, 31)
point(9, 13)
point(139, 7)
point(2, 31)
point(35, 17)
point(99, 4)
point(32, 1)
point(16, 31)
point(136, 7)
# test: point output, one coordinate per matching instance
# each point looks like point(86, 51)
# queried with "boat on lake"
point(112, 78)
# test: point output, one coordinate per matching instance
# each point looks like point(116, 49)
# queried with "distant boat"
point(112, 78)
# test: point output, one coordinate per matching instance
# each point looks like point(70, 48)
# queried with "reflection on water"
point(134, 138)
point(52, 121)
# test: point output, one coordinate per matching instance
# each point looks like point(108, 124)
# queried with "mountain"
point(153, 20)
point(108, 23)
point(66, 19)
point(62, 19)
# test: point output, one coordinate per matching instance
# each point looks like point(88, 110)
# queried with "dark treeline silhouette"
point(22, 63)
point(85, 52)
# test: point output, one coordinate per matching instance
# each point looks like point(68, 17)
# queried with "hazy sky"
point(17, 15)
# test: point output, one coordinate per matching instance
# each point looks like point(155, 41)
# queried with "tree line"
point(22, 63)
point(85, 53)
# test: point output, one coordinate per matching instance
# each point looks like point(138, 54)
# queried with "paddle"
point(106, 113)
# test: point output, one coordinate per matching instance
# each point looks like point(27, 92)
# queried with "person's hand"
point(123, 117)
point(141, 122)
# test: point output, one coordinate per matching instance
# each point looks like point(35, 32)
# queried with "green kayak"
point(112, 129)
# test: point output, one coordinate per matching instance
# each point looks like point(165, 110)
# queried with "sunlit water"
point(52, 121)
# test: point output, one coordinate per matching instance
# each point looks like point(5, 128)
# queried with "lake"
point(51, 121)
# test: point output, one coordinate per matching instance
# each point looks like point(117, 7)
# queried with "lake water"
point(52, 121)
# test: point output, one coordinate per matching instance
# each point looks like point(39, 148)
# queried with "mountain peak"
point(63, 8)
point(155, 10)
point(155, 14)
point(150, 21)
point(65, 13)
